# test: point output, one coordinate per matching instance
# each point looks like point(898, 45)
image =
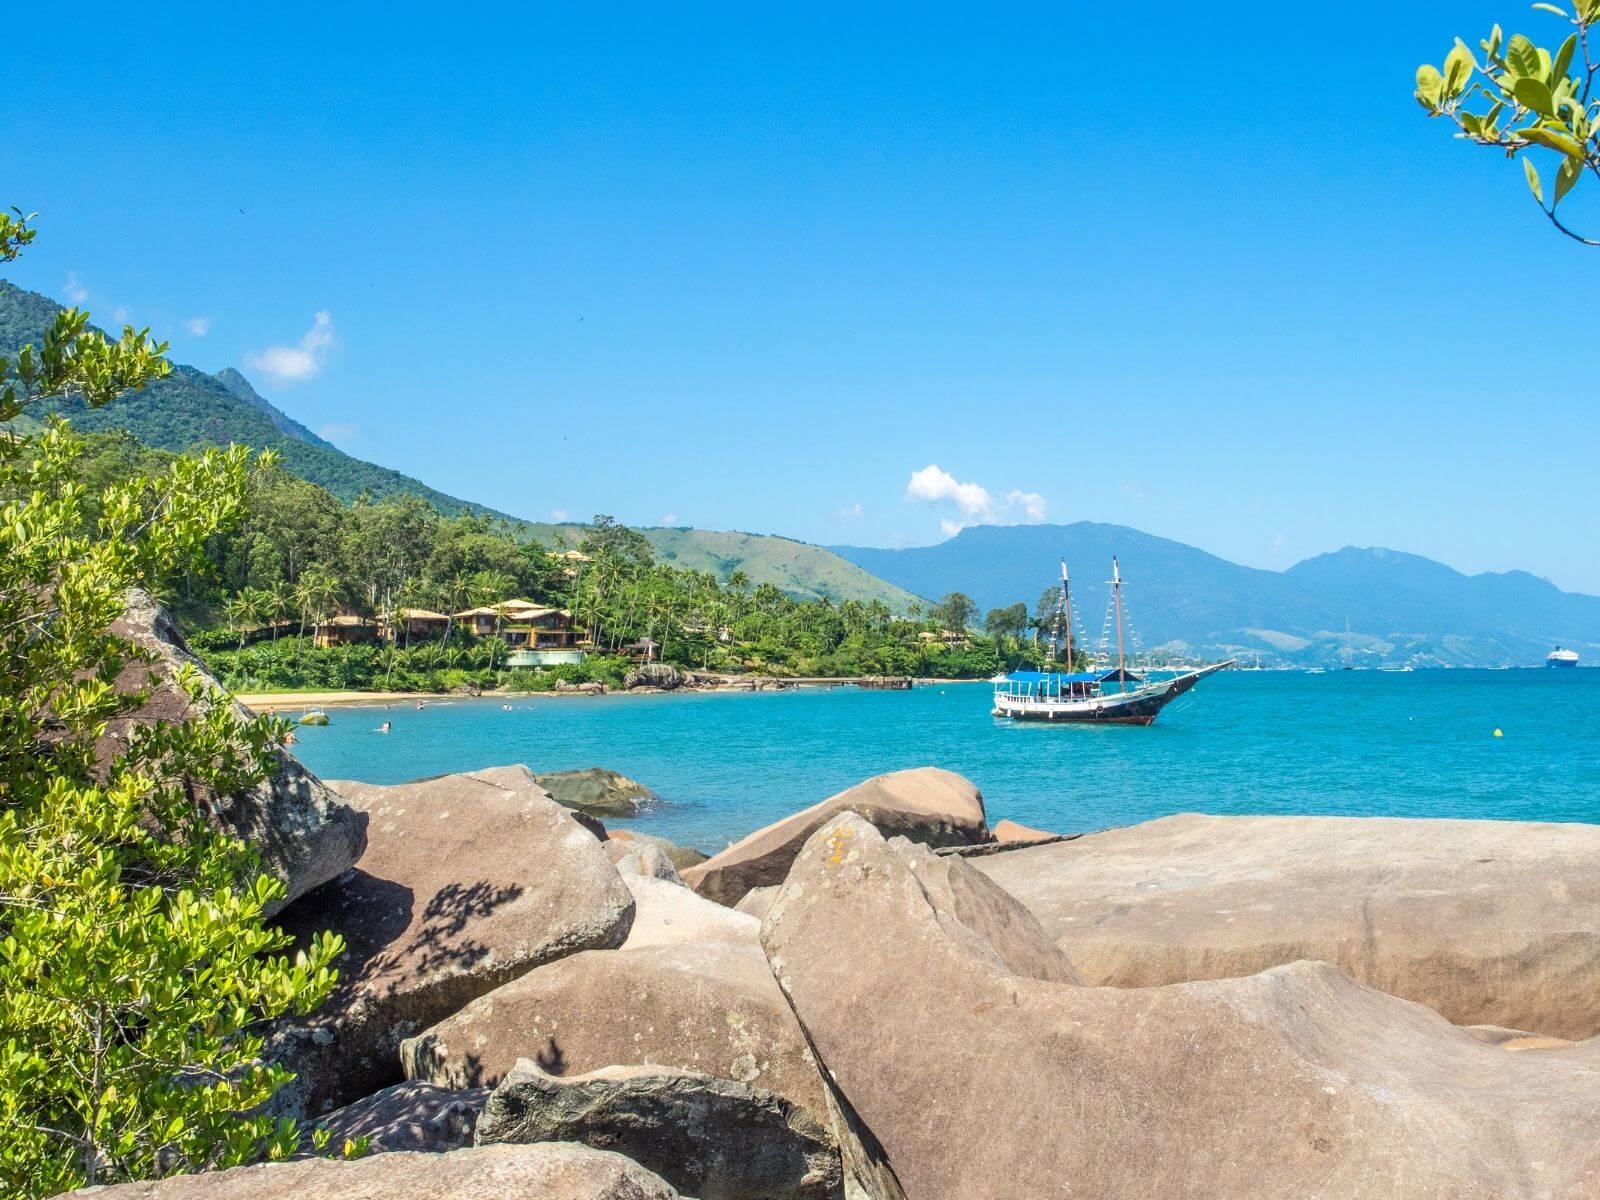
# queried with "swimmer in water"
point(385, 727)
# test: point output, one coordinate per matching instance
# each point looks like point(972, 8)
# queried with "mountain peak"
point(234, 380)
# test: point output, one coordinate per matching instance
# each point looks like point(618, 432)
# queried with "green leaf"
point(1567, 177)
point(1496, 37)
point(1521, 56)
point(1430, 86)
point(1551, 8)
point(1535, 94)
point(1563, 59)
point(1533, 180)
point(1458, 67)
point(1552, 139)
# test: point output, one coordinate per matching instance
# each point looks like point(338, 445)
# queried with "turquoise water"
point(1362, 742)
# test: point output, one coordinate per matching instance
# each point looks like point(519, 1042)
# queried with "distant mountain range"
point(1400, 608)
point(191, 408)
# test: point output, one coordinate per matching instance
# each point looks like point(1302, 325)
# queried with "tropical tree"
point(244, 612)
point(955, 611)
point(1526, 100)
point(135, 961)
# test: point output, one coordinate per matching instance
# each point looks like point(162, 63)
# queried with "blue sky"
point(1218, 278)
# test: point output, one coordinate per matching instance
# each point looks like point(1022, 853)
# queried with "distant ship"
point(1562, 658)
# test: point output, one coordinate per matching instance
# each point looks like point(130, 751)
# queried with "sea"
point(1515, 745)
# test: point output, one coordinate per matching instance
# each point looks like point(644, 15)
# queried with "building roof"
point(347, 621)
point(419, 614)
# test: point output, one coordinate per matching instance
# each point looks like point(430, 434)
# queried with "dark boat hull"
point(1138, 710)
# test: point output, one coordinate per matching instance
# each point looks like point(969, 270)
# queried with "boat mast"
point(1066, 611)
point(1116, 595)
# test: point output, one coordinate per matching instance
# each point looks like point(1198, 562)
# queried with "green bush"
point(135, 964)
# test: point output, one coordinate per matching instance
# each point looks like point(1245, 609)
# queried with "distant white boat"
point(1560, 657)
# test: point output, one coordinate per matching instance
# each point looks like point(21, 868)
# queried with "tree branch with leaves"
point(1519, 97)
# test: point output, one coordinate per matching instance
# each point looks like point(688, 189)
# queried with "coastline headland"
point(1007, 985)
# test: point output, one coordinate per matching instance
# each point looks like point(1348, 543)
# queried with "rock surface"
point(641, 858)
point(959, 1079)
point(1010, 833)
point(926, 804)
point(552, 1171)
point(1486, 922)
point(409, 1116)
point(655, 675)
point(756, 901)
point(682, 857)
point(689, 989)
point(710, 1138)
point(468, 881)
point(306, 836)
point(596, 791)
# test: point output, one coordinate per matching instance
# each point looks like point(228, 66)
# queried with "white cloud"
point(561, 514)
point(669, 518)
point(295, 364)
point(199, 326)
point(74, 290)
point(974, 504)
point(852, 512)
point(340, 431)
point(121, 314)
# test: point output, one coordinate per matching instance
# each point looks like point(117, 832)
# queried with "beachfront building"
point(535, 634)
point(572, 561)
point(645, 650)
point(413, 624)
point(345, 629)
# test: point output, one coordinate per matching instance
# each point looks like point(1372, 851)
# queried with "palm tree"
point(244, 612)
point(315, 594)
point(275, 605)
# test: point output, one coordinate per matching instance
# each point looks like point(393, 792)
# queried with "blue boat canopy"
point(1049, 679)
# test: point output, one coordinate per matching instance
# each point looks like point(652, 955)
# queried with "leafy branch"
point(1519, 97)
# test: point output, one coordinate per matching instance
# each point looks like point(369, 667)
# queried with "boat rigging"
point(1088, 697)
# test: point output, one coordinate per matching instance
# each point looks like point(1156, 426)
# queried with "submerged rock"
point(710, 1138)
point(596, 791)
point(550, 1171)
point(960, 1074)
point(468, 881)
point(925, 804)
point(1485, 922)
point(305, 835)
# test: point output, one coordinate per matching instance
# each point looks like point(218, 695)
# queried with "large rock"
point(596, 791)
point(306, 836)
point(408, 1116)
point(469, 881)
point(682, 857)
point(689, 989)
point(552, 1171)
point(710, 1138)
point(926, 804)
point(655, 675)
point(1486, 922)
point(959, 1078)
point(641, 858)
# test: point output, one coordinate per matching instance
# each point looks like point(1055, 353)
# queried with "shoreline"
point(281, 702)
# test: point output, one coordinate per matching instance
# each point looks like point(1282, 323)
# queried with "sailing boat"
point(1088, 697)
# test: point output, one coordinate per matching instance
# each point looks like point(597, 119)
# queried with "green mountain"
point(1370, 607)
point(798, 568)
point(190, 408)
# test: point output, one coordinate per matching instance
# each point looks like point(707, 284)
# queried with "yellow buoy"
point(1497, 733)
